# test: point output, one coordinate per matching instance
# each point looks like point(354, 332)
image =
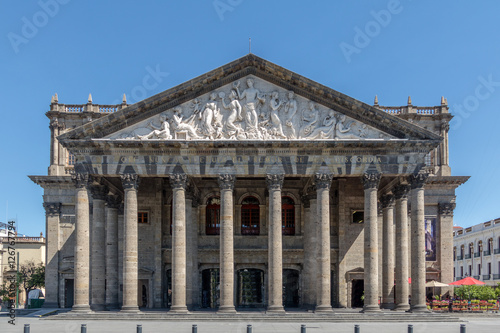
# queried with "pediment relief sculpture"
point(259, 111)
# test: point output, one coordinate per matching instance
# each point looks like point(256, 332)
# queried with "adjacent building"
point(476, 252)
point(248, 186)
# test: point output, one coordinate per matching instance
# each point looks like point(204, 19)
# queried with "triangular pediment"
point(249, 99)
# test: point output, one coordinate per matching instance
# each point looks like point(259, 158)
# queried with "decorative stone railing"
point(77, 108)
point(423, 110)
point(30, 239)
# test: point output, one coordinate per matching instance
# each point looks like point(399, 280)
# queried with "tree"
point(31, 276)
point(476, 292)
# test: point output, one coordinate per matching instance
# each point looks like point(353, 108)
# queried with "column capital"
point(178, 181)
point(387, 200)
point(113, 201)
point(371, 180)
point(401, 191)
point(98, 191)
point(130, 181)
point(80, 179)
point(275, 181)
point(52, 208)
point(418, 180)
point(323, 180)
point(446, 208)
point(226, 181)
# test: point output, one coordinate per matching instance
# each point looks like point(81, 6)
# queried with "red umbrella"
point(468, 281)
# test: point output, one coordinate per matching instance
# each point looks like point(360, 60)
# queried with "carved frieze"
point(253, 110)
point(52, 208)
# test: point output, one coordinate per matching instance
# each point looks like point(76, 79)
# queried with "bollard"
point(356, 328)
point(410, 328)
point(84, 328)
point(249, 328)
point(139, 328)
point(26, 328)
point(195, 329)
point(462, 328)
point(302, 328)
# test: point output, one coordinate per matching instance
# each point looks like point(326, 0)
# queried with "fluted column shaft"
point(52, 212)
point(112, 251)
point(388, 252)
point(179, 185)
point(402, 253)
point(82, 244)
point(98, 264)
point(323, 298)
point(274, 185)
point(130, 243)
point(418, 243)
point(226, 184)
point(371, 182)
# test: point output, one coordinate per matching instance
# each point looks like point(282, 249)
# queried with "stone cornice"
point(249, 65)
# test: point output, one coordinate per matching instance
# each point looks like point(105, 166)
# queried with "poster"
point(430, 239)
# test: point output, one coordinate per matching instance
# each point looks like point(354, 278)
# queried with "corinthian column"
point(402, 285)
point(445, 210)
point(112, 289)
point(98, 264)
point(82, 244)
point(130, 243)
point(323, 298)
point(179, 184)
point(274, 184)
point(226, 184)
point(418, 243)
point(370, 183)
point(388, 252)
point(52, 213)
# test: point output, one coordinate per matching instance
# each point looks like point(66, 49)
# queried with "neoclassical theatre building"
point(248, 186)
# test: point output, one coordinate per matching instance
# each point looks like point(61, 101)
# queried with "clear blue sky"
point(425, 49)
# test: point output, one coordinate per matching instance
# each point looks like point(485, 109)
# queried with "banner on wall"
point(430, 239)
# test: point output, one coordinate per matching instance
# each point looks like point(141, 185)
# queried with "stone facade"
point(249, 186)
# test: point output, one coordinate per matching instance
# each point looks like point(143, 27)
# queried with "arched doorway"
point(358, 289)
point(291, 288)
point(250, 288)
point(210, 289)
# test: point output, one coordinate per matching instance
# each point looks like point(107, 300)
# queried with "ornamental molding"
point(226, 181)
point(52, 208)
point(275, 182)
point(371, 180)
point(130, 181)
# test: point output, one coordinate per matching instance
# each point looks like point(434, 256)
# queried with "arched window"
point(250, 216)
point(212, 217)
point(288, 215)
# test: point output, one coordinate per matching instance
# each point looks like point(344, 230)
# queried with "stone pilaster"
point(82, 244)
point(178, 182)
point(226, 184)
point(402, 253)
point(445, 241)
point(274, 185)
point(112, 287)
point(52, 217)
point(97, 255)
point(130, 184)
point(370, 183)
point(418, 243)
point(388, 255)
point(323, 297)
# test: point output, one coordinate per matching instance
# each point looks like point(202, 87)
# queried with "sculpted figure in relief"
point(253, 98)
point(180, 126)
point(309, 119)
point(276, 104)
point(290, 111)
point(328, 129)
point(342, 130)
point(162, 132)
point(211, 125)
point(234, 107)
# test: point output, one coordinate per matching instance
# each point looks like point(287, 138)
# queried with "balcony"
point(496, 251)
point(459, 258)
point(477, 254)
point(486, 277)
point(477, 277)
point(467, 256)
point(486, 253)
point(496, 276)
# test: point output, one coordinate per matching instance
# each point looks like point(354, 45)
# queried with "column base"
point(82, 308)
point(226, 309)
point(402, 307)
point(371, 308)
point(389, 306)
point(130, 309)
point(419, 308)
point(179, 309)
point(323, 309)
point(275, 309)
